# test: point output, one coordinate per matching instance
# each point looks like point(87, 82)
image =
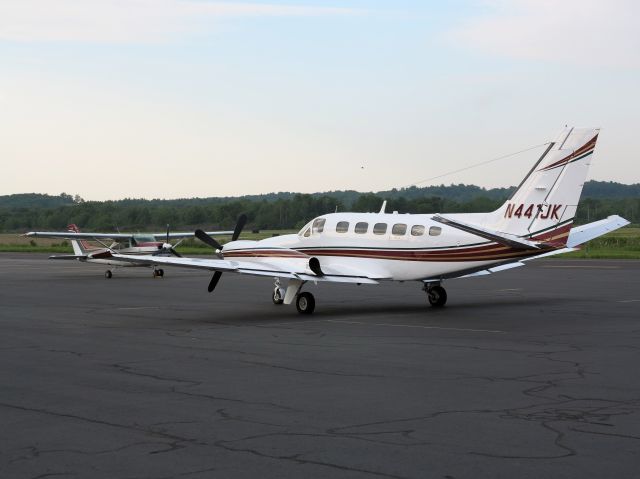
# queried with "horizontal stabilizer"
point(501, 238)
point(584, 233)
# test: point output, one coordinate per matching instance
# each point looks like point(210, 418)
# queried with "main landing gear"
point(305, 302)
point(158, 273)
point(436, 294)
point(108, 274)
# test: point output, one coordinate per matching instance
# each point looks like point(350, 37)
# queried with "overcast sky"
point(180, 98)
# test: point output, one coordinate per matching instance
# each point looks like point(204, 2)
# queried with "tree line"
point(290, 212)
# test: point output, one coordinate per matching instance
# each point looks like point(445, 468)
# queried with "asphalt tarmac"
point(528, 373)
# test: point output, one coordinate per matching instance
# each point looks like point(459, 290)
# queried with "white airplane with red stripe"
point(370, 248)
point(122, 243)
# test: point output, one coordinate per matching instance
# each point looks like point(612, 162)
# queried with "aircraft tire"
point(278, 296)
point(108, 274)
point(305, 303)
point(437, 296)
point(161, 273)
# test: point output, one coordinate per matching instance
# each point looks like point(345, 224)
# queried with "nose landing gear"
point(158, 273)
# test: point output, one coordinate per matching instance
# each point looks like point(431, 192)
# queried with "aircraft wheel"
point(278, 296)
point(155, 273)
point(161, 273)
point(305, 303)
point(108, 274)
point(437, 296)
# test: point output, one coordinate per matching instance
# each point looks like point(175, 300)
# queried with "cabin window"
point(417, 230)
point(362, 227)
point(399, 229)
point(435, 231)
point(379, 228)
point(307, 233)
point(318, 225)
point(342, 227)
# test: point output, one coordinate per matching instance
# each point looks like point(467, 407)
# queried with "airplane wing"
point(77, 236)
point(68, 235)
point(498, 237)
point(281, 268)
point(163, 236)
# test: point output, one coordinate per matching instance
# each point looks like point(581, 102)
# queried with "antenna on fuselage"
point(384, 206)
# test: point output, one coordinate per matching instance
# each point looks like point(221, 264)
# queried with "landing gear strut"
point(436, 294)
point(305, 302)
point(278, 293)
point(108, 274)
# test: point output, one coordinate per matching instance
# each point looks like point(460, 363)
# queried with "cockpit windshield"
point(144, 238)
point(318, 226)
point(313, 228)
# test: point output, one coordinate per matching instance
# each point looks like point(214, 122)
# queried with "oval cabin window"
point(399, 229)
point(379, 228)
point(361, 227)
point(417, 230)
point(435, 231)
point(342, 227)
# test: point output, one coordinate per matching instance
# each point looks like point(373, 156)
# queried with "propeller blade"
point(205, 238)
point(214, 281)
point(167, 233)
point(175, 253)
point(242, 220)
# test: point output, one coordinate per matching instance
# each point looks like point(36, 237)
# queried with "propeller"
point(169, 247)
point(205, 238)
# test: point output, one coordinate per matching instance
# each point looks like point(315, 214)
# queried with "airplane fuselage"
point(387, 245)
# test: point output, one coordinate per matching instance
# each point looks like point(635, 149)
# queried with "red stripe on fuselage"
point(486, 252)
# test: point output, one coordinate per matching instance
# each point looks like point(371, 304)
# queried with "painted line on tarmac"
point(138, 307)
point(582, 266)
point(493, 331)
point(629, 301)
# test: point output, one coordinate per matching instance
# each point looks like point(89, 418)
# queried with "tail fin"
point(544, 205)
point(80, 247)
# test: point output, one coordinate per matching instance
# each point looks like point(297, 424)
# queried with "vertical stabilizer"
point(545, 203)
point(80, 247)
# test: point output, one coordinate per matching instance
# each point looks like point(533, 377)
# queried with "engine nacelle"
point(314, 265)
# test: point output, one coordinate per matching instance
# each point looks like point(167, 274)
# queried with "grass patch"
point(620, 244)
point(26, 248)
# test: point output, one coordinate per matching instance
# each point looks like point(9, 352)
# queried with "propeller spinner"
point(167, 246)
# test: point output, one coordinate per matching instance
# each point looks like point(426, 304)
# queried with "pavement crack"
point(129, 370)
point(311, 371)
point(296, 458)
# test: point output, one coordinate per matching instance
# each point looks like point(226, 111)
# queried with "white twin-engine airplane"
point(375, 247)
point(123, 243)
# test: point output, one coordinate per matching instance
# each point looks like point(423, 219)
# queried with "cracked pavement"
point(528, 373)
